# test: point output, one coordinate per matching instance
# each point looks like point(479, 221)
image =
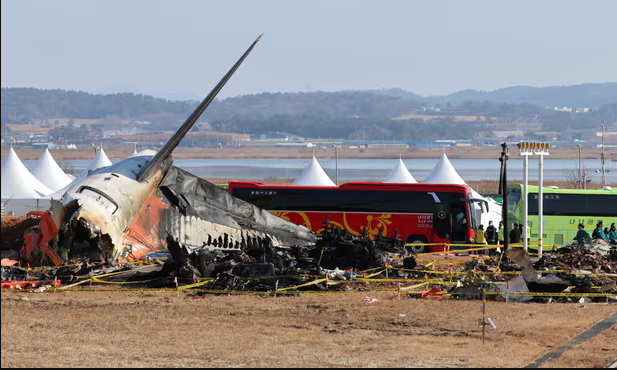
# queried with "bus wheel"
point(418, 241)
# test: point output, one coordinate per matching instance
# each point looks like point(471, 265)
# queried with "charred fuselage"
point(128, 209)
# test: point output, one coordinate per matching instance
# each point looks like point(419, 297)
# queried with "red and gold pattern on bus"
point(416, 227)
point(409, 226)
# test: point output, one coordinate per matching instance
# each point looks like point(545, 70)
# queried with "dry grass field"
point(141, 329)
point(123, 151)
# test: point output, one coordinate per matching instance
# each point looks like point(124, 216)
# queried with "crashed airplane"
point(129, 209)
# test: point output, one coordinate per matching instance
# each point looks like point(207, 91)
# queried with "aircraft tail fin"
point(173, 142)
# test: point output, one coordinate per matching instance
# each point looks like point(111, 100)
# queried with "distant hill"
point(591, 95)
point(339, 104)
point(22, 105)
point(348, 114)
point(121, 89)
point(396, 92)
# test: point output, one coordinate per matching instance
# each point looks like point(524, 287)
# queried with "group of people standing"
point(494, 236)
point(490, 236)
point(600, 232)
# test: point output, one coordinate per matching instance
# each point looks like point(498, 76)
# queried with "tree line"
point(343, 114)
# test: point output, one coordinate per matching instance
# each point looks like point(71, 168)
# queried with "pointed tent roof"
point(49, 173)
point(400, 174)
point(314, 175)
point(99, 161)
point(18, 182)
point(444, 173)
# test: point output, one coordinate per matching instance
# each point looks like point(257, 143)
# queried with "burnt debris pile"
point(337, 248)
point(566, 258)
point(257, 265)
point(341, 261)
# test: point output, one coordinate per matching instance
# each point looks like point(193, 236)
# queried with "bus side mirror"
point(442, 222)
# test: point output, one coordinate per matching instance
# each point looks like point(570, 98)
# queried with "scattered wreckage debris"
point(340, 261)
point(258, 263)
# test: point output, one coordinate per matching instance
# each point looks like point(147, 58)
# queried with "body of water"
point(373, 170)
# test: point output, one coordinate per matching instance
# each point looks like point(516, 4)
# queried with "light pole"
point(525, 150)
point(336, 162)
point(580, 173)
point(540, 149)
point(503, 190)
point(603, 168)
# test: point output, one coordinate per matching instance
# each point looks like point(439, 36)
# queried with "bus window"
point(575, 205)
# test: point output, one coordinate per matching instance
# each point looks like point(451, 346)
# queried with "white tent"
point(444, 173)
point(21, 191)
point(99, 161)
point(400, 174)
point(18, 182)
point(49, 173)
point(314, 175)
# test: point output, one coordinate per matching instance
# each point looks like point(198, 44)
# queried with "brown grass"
point(84, 329)
point(123, 151)
point(604, 346)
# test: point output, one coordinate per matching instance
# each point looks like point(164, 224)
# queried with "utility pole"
point(540, 149)
point(603, 168)
point(503, 190)
point(580, 172)
point(525, 150)
point(336, 162)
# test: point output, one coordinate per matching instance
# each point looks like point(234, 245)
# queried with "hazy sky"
point(427, 47)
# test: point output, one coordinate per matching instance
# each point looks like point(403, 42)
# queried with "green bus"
point(563, 210)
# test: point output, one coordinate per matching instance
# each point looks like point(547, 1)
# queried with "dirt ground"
point(143, 329)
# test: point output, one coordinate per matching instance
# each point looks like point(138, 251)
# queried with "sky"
point(426, 47)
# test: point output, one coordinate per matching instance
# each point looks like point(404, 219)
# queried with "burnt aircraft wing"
point(118, 209)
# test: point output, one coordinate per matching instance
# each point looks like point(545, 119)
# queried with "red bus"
point(420, 213)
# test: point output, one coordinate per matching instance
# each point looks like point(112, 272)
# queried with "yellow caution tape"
point(277, 277)
point(100, 276)
point(303, 285)
point(73, 285)
point(374, 274)
point(285, 291)
point(156, 290)
point(544, 294)
point(97, 280)
point(404, 289)
point(371, 269)
point(190, 286)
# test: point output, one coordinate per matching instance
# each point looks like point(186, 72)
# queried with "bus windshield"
point(514, 196)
